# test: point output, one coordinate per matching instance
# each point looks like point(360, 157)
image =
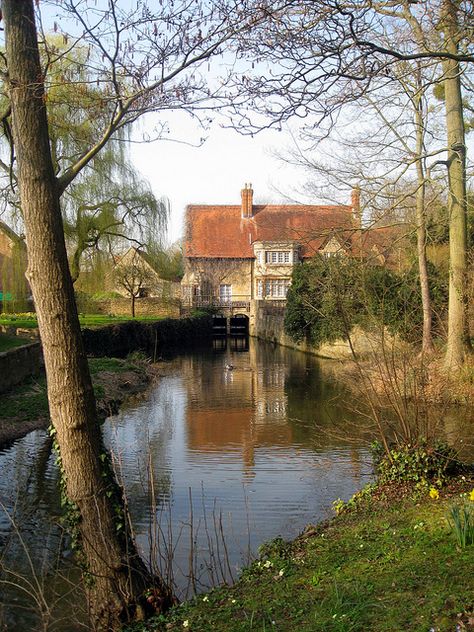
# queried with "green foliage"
point(362, 498)
point(168, 262)
point(462, 523)
point(329, 296)
point(420, 464)
point(322, 295)
point(438, 224)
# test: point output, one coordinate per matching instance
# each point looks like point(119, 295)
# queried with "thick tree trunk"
point(458, 337)
point(118, 576)
point(427, 343)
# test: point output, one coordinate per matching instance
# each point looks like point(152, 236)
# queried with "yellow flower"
point(186, 624)
point(471, 495)
point(434, 493)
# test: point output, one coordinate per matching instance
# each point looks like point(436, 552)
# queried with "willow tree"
point(109, 202)
point(147, 61)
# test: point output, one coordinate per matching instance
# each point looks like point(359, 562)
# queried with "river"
point(233, 446)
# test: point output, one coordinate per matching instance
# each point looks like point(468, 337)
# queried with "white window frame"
point(225, 293)
point(277, 257)
point(276, 288)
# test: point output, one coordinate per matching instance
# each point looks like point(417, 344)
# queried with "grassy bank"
point(28, 321)
point(392, 565)
point(10, 342)
point(26, 407)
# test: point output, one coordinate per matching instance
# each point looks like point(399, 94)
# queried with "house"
point(235, 254)
point(14, 289)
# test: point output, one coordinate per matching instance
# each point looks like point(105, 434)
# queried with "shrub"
point(329, 296)
point(462, 523)
point(421, 463)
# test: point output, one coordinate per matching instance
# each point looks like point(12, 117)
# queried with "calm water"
point(214, 462)
point(257, 450)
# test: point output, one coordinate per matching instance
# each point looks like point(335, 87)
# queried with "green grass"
point(115, 365)
point(29, 401)
point(10, 342)
point(389, 569)
point(25, 321)
point(26, 402)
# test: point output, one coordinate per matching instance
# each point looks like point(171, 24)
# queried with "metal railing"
point(232, 303)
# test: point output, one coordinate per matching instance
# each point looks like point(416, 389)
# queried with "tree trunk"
point(458, 336)
point(133, 305)
point(118, 577)
point(427, 343)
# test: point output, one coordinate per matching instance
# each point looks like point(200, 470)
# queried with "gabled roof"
point(135, 256)
point(10, 233)
point(221, 232)
point(381, 243)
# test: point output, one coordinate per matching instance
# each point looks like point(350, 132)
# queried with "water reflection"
point(235, 431)
point(37, 582)
point(256, 451)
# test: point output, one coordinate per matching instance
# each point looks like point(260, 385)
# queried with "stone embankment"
point(18, 364)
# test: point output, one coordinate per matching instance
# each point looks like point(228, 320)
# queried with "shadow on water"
point(233, 446)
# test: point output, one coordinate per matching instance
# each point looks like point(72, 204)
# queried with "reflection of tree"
point(31, 537)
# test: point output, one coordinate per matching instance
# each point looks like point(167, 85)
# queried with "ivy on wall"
point(328, 296)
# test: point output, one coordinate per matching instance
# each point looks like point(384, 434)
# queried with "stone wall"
point(269, 325)
point(144, 307)
point(18, 364)
point(122, 307)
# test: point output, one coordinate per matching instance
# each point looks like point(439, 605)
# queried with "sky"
point(216, 171)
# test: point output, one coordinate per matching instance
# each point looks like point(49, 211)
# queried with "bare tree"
point(327, 54)
point(135, 277)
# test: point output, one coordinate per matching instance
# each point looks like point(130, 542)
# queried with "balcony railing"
point(234, 302)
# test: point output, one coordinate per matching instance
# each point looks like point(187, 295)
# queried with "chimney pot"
point(355, 203)
point(247, 200)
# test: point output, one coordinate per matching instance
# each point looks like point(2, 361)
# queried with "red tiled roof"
point(381, 241)
point(220, 231)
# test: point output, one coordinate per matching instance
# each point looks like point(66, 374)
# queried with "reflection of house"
point(243, 409)
point(135, 272)
point(238, 253)
point(13, 285)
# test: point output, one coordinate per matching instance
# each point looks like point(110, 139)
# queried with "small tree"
point(135, 277)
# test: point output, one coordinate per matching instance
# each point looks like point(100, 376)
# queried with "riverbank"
point(393, 564)
point(25, 408)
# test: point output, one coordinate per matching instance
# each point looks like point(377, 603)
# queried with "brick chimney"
point(355, 203)
point(247, 200)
